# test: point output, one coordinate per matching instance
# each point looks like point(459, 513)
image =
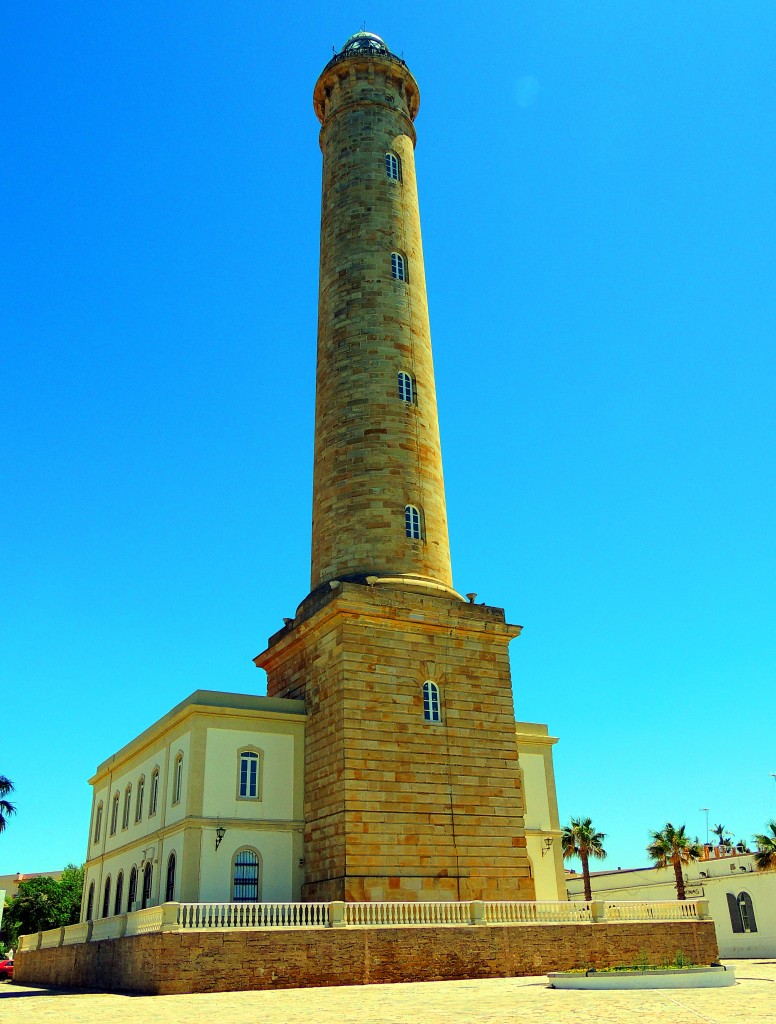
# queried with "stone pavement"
point(497, 1001)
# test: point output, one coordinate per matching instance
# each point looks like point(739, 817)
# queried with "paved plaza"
point(514, 1000)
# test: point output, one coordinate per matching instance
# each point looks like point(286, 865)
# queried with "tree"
point(719, 832)
point(672, 846)
point(580, 839)
point(6, 807)
point(42, 903)
point(765, 854)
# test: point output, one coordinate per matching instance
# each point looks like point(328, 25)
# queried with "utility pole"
point(706, 812)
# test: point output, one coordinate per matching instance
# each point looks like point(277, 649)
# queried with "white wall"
point(276, 853)
point(221, 775)
point(710, 880)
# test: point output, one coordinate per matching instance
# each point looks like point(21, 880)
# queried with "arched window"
point(132, 891)
point(393, 166)
point(98, 823)
point(114, 815)
point(406, 387)
point(106, 898)
point(177, 779)
point(431, 706)
point(412, 522)
point(119, 893)
point(139, 798)
point(146, 885)
point(169, 889)
point(245, 877)
point(90, 903)
point(248, 788)
point(741, 912)
point(747, 912)
point(154, 798)
point(398, 267)
point(127, 804)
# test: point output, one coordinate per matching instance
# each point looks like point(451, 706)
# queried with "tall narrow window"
point(127, 804)
point(139, 798)
point(114, 815)
point(398, 267)
point(154, 798)
point(249, 775)
point(747, 912)
point(393, 166)
point(406, 387)
point(245, 879)
point(146, 886)
point(169, 889)
point(119, 893)
point(132, 891)
point(177, 779)
point(90, 903)
point(431, 706)
point(98, 823)
point(412, 522)
point(106, 898)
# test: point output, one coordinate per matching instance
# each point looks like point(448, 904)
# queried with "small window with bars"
point(412, 522)
point(398, 267)
point(245, 879)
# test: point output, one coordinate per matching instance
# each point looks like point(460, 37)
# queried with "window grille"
point(393, 166)
point(169, 889)
point(245, 885)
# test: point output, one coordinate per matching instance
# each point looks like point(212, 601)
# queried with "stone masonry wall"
point(396, 807)
point(208, 961)
point(374, 452)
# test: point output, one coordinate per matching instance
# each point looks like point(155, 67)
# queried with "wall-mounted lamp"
point(220, 833)
point(546, 846)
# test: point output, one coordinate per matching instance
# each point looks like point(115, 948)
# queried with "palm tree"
point(580, 839)
point(719, 831)
point(6, 807)
point(765, 854)
point(671, 846)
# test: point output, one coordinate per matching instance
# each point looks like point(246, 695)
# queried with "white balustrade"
point(252, 915)
point(143, 922)
point(225, 916)
point(652, 910)
point(109, 927)
point(75, 933)
point(537, 912)
point(407, 913)
point(50, 938)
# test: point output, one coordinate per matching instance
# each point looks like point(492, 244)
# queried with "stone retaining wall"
point(221, 961)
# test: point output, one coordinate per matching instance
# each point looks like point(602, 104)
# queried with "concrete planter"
point(685, 977)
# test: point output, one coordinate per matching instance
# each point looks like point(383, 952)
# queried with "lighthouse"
point(412, 784)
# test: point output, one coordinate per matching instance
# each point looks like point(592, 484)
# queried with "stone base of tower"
point(398, 807)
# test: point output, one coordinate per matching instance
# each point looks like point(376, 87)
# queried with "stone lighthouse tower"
point(412, 781)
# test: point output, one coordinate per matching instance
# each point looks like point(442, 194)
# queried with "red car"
point(6, 970)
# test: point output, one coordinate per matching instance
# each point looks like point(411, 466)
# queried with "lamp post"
point(706, 812)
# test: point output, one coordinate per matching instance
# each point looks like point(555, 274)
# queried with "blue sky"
point(596, 185)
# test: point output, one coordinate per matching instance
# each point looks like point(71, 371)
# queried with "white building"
point(742, 900)
point(207, 805)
